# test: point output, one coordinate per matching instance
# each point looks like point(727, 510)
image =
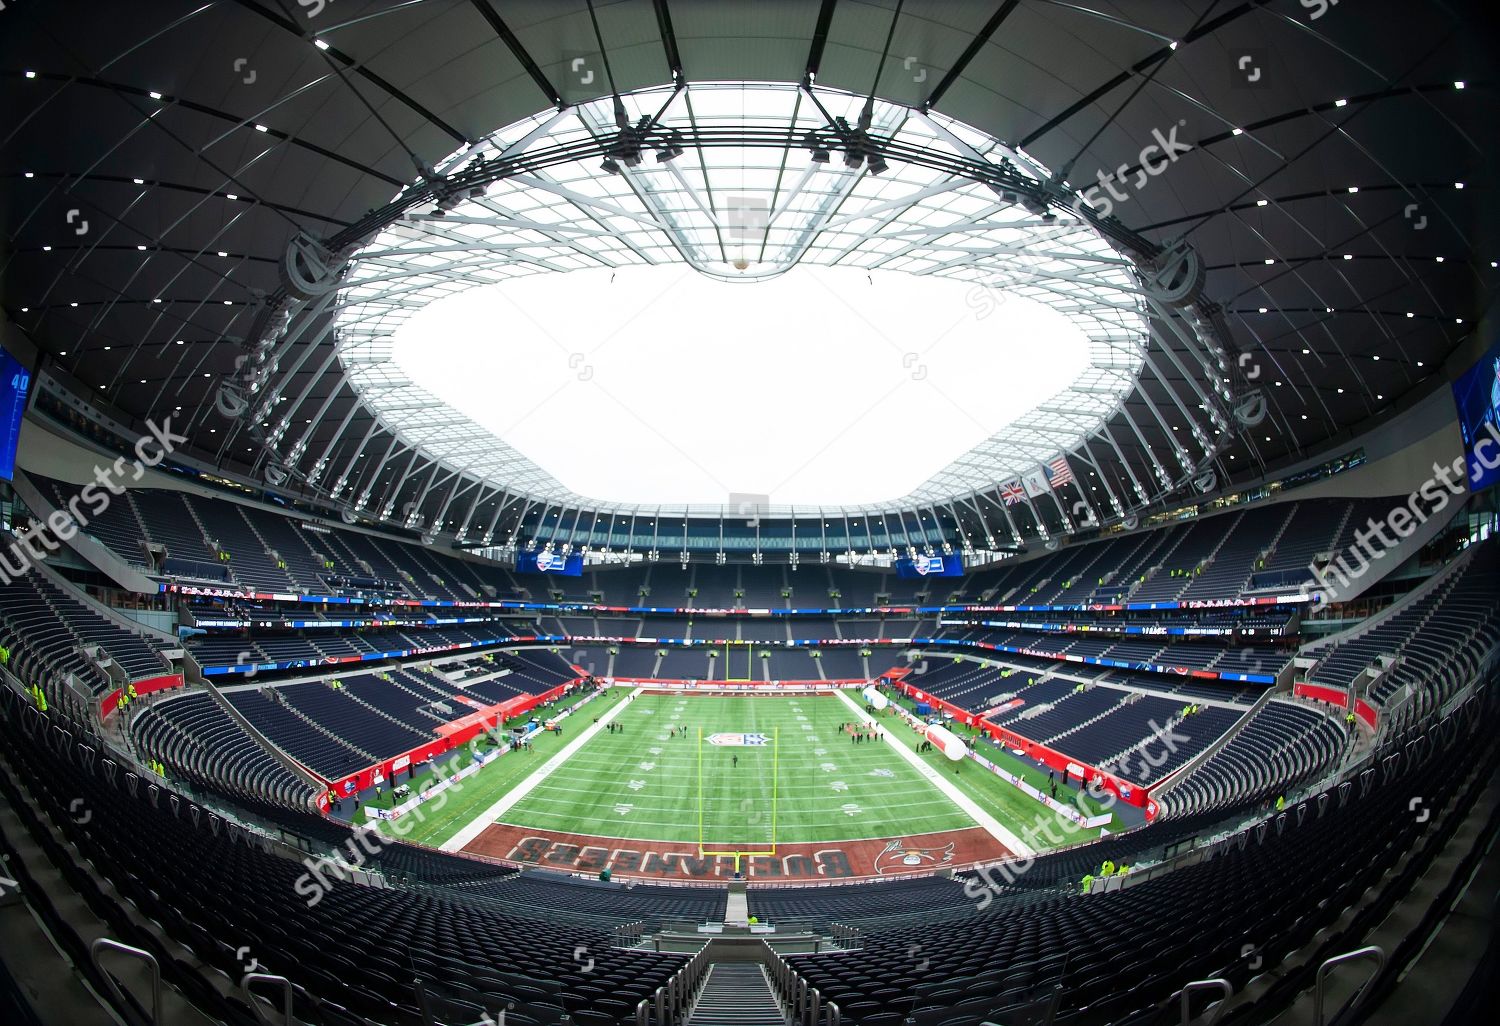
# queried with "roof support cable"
point(1067, 168)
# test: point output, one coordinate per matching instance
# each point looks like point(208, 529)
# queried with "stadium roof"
point(163, 158)
point(770, 210)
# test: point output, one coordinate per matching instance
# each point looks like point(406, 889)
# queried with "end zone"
point(677, 862)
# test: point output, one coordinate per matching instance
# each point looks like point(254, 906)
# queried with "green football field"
point(644, 781)
point(803, 780)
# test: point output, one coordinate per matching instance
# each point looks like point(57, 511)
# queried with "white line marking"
point(476, 827)
point(991, 825)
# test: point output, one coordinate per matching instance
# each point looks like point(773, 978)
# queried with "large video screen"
point(1477, 396)
point(951, 565)
point(15, 384)
point(550, 563)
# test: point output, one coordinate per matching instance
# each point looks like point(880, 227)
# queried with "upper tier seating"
point(1226, 575)
point(1094, 572)
point(1173, 573)
point(116, 525)
point(61, 628)
point(168, 521)
point(1467, 599)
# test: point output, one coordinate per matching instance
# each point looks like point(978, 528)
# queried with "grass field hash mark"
point(737, 795)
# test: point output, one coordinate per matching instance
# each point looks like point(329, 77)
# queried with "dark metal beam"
point(1140, 67)
point(362, 71)
point(970, 52)
point(820, 36)
point(668, 38)
point(518, 51)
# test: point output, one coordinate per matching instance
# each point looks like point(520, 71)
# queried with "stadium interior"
point(748, 512)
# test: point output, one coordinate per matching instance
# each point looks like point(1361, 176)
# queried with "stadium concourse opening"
point(731, 513)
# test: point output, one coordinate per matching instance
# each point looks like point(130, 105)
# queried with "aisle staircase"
point(737, 994)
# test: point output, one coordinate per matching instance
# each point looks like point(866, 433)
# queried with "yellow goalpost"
point(737, 853)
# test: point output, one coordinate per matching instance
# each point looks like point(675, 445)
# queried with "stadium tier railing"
point(671, 1002)
point(803, 1002)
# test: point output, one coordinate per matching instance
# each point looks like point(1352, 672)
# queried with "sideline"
point(476, 826)
point(990, 824)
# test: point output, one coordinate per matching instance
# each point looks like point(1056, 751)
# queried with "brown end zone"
point(793, 863)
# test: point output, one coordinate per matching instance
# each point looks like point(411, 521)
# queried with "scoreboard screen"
point(951, 565)
point(15, 384)
point(550, 563)
point(1477, 396)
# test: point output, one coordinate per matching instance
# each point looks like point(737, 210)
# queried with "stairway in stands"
point(736, 994)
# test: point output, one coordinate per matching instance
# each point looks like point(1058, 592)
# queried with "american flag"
point(1058, 473)
point(1011, 493)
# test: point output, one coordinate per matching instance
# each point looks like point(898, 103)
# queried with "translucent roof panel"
point(745, 215)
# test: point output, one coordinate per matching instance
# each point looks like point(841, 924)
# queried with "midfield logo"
point(738, 740)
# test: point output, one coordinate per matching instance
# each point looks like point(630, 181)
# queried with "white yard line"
point(476, 827)
point(989, 823)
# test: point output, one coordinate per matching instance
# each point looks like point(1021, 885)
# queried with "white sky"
point(665, 386)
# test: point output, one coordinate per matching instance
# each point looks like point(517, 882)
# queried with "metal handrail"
point(103, 944)
point(671, 1000)
point(255, 1003)
point(803, 1000)
point(1373, 952)
point(1223, 986)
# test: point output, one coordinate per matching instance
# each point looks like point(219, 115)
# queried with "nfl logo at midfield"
point(737, 740)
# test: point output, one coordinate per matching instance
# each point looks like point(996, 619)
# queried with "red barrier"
point(451, 736)
point(715, 686)
point(1367, 713)
point(1322, 693)
point(111, 701)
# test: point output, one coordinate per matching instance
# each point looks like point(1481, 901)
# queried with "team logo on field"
point(900, 857)
point(738, 740)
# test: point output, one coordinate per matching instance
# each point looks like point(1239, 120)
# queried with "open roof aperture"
point(827, 284)
point(824, 386)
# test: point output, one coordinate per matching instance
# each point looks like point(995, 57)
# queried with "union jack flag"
point(1011, 493)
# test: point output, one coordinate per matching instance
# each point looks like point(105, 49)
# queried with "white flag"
point(1035, 482)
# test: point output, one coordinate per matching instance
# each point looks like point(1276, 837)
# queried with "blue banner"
point(930, 566)
point(550, 563)
point(1477, 396)
point(15, 383)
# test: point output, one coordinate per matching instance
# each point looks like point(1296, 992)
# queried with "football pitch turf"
point(870, 791)
point(800, 778)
